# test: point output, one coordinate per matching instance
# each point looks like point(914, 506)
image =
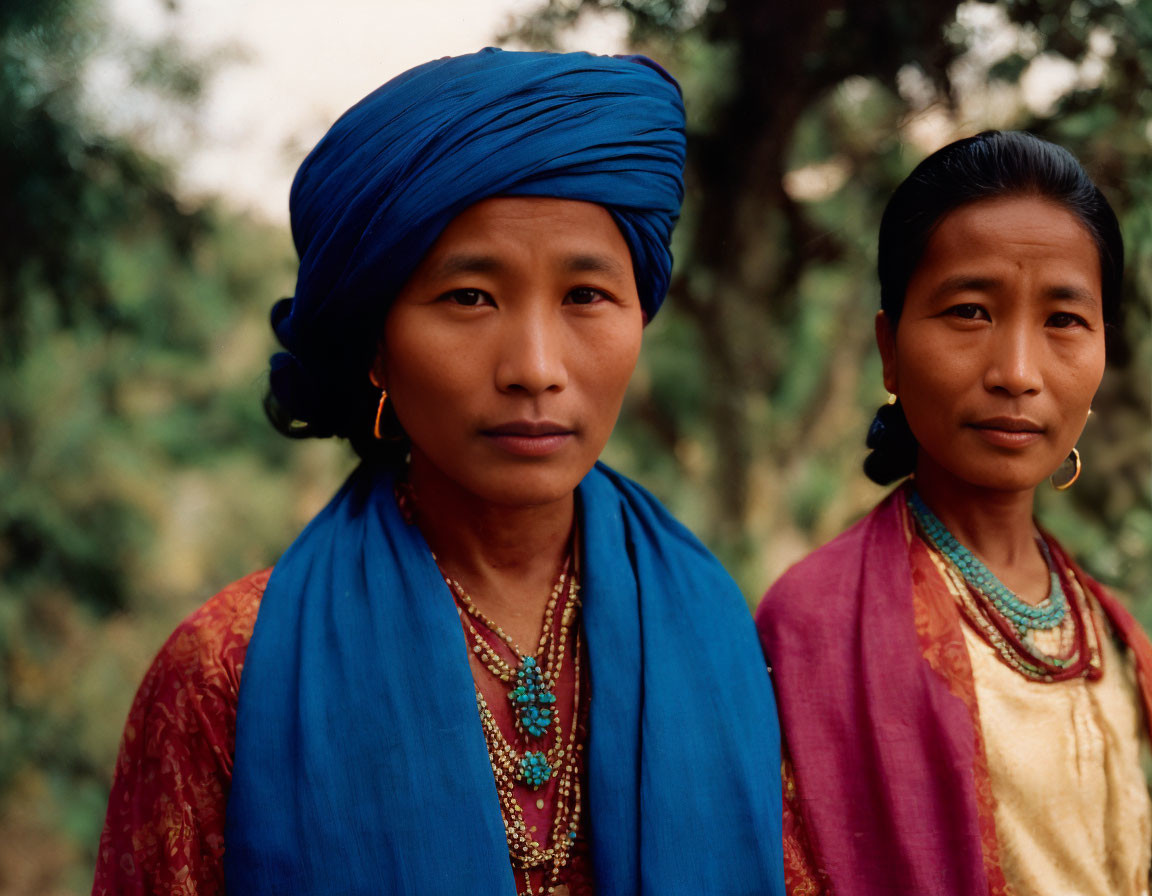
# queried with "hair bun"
point(295, 403)
point(893, 446)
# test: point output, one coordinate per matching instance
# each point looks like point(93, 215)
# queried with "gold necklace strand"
point(464, 599)
point(500, 750)
point(551, 882)
point(562, 759)
point(549, 612)
point(502, 669)
point(488, 655)
point(525, 853)
point(1087, 618)
point(524, 850)
point(554, 662)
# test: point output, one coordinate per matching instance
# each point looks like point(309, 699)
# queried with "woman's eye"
point(584, 295)
point(469, 298)
point(968, 312)
point(1064, 319)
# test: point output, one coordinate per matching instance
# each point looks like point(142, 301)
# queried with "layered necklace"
point(1051, 641)
point(543, 752)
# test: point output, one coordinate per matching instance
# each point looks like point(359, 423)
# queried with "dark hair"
point(344, 404)
point(990, 165)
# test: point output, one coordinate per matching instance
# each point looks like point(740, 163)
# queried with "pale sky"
point(303, 64)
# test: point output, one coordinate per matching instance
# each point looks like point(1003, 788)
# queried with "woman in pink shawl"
point(964, 709)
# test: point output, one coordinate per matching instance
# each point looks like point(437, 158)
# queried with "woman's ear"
point(886, 342)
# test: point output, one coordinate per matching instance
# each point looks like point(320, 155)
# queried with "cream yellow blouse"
point(1073, 814)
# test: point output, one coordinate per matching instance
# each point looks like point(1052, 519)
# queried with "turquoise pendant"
point(532, 699)
point(535, 770)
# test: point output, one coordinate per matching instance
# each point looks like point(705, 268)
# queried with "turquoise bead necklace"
point(531, 683)
point(534, 676)
point(533, 679)
point(1023, 616)
point(526, 853)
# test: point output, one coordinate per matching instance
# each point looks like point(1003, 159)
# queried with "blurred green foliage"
point(137, 474)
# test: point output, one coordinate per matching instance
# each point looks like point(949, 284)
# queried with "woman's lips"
point(529, 438)
point(1009, 432)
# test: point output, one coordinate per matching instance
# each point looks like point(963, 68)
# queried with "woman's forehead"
point(1008, 231)
point(519, 221)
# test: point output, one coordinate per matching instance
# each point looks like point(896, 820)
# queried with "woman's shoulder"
point(230, 614)
point(164, 830)
point(1116, 610)
point(192, 687)
point(193, 684)
point(829, 577)
point(845, 553)
point(209, 646)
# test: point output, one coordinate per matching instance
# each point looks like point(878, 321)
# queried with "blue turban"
point(388, 177)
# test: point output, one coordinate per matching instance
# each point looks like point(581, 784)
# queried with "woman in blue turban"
point(491, 664)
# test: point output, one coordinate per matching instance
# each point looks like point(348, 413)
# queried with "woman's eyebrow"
point(966, 283)
point(465, 263)
point(1077, 294)
point(594, 264)
point(973, 283)
point(469, 263)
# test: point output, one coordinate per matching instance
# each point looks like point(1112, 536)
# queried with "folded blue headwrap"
point(384, 182)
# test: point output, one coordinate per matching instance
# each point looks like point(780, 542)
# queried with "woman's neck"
point(507, 558)
point(996, 526)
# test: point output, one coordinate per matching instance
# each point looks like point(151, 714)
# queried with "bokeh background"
point(145, 152)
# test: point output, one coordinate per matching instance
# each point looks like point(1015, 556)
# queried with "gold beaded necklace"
point(536, 674)
point(532, 682)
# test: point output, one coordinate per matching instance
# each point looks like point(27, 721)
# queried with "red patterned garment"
point(164, 832)
point(802, 875)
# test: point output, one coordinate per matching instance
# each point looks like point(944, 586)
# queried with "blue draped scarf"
point(361, 766)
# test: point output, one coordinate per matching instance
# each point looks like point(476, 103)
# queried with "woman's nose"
point(1016, 361)
point(532, 354)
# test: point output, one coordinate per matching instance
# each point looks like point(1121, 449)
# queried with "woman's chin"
point(1004, 478)
point(529, 488)
point(523, 484)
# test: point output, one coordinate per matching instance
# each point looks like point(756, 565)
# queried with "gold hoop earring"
point(376, 431)
point(1074, 459)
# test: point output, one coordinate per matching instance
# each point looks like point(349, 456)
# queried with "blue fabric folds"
point(379, 188)
point(360, 763)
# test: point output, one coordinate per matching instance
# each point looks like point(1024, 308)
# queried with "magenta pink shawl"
point(882, 751)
